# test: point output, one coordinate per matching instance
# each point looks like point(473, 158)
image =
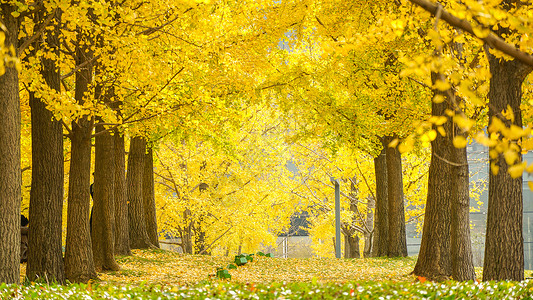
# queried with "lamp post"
point(337, 217)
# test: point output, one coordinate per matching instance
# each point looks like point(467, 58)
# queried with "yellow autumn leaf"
point(517, 170)
point(510, 156)
point(494, 168)
point(463, 122)
point(496, 125)
point(493, 154)
point(530, 184)
point(527, 144)
point(484, 140)
point(424, 138)
point(508, 113)
point(516, 132)
point(398, 26)
point(441, 86)
point(481, 32)
point(441, 131)
point(394, 143)
point(449, 112)
point(407, 145)
point(459, 141)
point(438, 120)
point(438, 99)
point(432, 134)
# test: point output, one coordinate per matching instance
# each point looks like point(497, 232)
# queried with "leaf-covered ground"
point(167, 267)
point(157, 274)
point(164, 267)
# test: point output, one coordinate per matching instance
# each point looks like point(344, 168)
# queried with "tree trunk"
point(351, 246)
point(368, 234)
point(462, 258)
point(79, 264)
point(186, 233)
point(200, 242)
point(434, 257)
point(45, 253)
point(381, 222)
point(149, 198)
point(10, 193)
point(139, 238)
point(504, 243)
point(122, 235)
point(351, 239)
point(397, 239)
point(102, 234)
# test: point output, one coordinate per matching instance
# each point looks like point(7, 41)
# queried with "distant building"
point(295, 242)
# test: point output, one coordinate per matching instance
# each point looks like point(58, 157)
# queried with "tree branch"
point(80, 66)
point(152, 98)
point(213, 242)
point(492, 39)
point(36, 34)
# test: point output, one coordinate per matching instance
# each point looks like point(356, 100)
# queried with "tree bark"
point(504, 243)
point(461, 244)
point(102, 234)
point(397, 239)
point(45, 253)
point(434, 257)
point(149, 198)
point(351, 246)
point(369, 232)
point(139, 238)
point(351, 239)
point(122, 235)
point(381, 222)
point(79, 264)
point(200, 242)
point(10, 184)
point(186, 232)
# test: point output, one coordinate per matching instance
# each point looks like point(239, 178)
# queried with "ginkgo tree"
point(210, 87)
point(354, 95)
point(225, 197)
point(356, 173)
point(500, 25)
point(123, 46)
point(10, 150)
point(90, 34)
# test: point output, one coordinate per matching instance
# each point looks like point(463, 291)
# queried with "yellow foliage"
point(481, 32)
point(494, 168)
point(510, 156)
point(441, 86)
point(516, 170)
point(194, 76)
point(463, 122)
point(441, 131)
point(233, 197)
point(459, 141)
point(356, 175)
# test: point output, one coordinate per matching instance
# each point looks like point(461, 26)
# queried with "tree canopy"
point(250, 106)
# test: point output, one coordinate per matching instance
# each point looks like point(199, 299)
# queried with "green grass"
point(295, 290)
